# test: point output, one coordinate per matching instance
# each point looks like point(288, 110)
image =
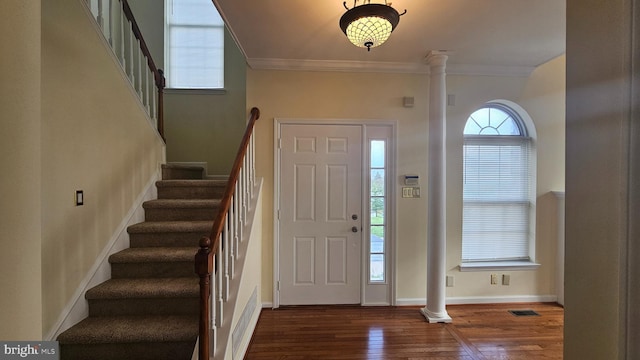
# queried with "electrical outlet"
point(494, 279)
point(449, 281)
point(506, 279)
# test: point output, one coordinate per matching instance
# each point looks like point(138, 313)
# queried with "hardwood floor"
point(354, 332)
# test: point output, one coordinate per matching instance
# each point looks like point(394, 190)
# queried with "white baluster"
point(219, 290)
point(154, 102)
point(253, 162)
point(146, 86)
point(244, 191)
point(252, 178)
point(228, 254)
point(139, 72)
point(100, 17)
point(121, 53)
point(247, 186)
point(232, 247)
point(212, 308)
point(111, 23)
point(239, 213)
point(131, 55)
point(236, 232)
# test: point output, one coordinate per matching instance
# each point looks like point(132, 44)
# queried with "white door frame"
point(391, 257)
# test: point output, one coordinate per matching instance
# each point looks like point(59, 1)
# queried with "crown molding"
point(337, 65)
point(385, 67)
point(489, 70)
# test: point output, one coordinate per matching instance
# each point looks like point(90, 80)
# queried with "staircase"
point(149, 307)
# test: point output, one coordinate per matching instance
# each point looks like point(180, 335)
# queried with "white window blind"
point(194, 45)
point(496, 196)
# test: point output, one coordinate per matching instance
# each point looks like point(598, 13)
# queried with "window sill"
point(499, 265)
point(195, 91)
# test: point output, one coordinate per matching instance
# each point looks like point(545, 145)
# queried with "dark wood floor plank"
point(478, 332)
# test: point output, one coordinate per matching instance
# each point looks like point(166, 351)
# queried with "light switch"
point(411, 192)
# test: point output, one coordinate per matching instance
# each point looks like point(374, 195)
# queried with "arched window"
point(498, 187)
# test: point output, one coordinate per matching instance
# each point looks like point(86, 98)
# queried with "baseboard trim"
point(78, 308)
point(267, 305)
point(463, 300)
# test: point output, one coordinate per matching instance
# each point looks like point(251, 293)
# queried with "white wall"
point(20, 130)
point(599, 77)
point(329, 95)
point(95, 138)
point(541, 95)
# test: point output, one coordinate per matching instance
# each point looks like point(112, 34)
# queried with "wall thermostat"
point(411, 180)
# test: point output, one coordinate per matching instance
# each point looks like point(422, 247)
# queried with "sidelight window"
point(377, 210)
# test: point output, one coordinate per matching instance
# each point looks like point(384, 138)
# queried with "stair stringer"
point(247, 278)
point(77, 308)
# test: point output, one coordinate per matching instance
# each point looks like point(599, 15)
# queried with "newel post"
point(161, 84)
point(204, 269)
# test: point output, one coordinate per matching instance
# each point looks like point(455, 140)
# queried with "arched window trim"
point(528, 136)
point(517, 119)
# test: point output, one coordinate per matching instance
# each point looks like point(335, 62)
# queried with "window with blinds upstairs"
point(496, 187)
point(194, 45)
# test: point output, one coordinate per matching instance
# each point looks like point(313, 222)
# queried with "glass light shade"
point(370, 31)
point(369, 25)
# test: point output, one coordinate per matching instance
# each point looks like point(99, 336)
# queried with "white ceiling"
point(482, 36)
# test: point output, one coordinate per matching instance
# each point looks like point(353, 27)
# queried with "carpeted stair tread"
point(131, 329)
point(190, 183)
point(145, 288)
point(181, 203)
point(153, 254)
point(191, 189)
point(171, 227)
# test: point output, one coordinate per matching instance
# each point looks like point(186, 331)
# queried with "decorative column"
point(435, 311)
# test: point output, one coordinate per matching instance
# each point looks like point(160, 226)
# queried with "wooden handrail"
point(204, 259)
point(158, 74)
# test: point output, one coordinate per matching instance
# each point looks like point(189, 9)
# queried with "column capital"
point(437, 57)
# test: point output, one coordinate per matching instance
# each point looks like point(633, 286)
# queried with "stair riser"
point(195, 192)
point(162, 306)
point(129, 351)
point(166, 239)
point(178, 173)
point(180, 214)
point(152, 270)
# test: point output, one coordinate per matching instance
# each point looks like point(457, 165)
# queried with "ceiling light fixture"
point(369, 25)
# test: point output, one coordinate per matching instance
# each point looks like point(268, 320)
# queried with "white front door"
point(320, 214)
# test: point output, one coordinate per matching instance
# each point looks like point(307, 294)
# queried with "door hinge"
point(278, 285)
point(279, 143)
point(278, 214)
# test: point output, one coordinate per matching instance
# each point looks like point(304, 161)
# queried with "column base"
point(432, 317)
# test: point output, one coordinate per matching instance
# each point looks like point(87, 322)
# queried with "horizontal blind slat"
point(497, 200)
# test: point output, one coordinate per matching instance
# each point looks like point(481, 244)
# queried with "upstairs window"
point(498, 187)
point(194, 45)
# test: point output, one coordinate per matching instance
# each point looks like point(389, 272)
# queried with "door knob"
point(354, 229)
point(354, 217)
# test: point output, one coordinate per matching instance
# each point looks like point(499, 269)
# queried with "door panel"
point(320, 190)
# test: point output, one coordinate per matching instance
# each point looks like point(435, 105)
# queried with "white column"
point(435, 310)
